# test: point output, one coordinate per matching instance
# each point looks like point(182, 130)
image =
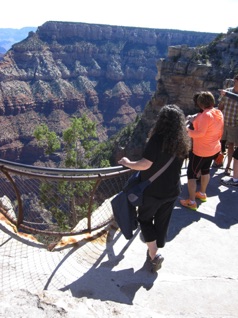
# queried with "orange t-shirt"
point(207, 133)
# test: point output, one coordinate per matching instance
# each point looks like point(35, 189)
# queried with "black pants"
point(197, 163)
point(154, 216)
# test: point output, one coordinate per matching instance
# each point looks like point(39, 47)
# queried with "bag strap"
point(161, 170)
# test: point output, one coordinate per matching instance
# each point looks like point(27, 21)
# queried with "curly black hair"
point(171, 126)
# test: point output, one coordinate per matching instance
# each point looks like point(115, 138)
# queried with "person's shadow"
point(225, 212)
point(104, 283)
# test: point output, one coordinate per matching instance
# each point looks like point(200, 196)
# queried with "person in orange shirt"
point(206, 136)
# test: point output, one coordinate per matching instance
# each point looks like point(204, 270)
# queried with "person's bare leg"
point(192, 186)
point(152, 246)
point(235, 168)
point(229, 155)
point(204, 182)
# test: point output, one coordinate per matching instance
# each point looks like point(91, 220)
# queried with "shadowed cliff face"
point(181, 74)
point(67, 69)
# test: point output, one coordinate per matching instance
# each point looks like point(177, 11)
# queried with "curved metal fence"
point(58, 202)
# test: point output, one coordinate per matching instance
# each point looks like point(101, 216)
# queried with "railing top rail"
point(36, 201)
point(59, 171)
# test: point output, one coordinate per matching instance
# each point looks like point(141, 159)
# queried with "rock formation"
point(183, 72)
point(9, 36)
point(67, 69)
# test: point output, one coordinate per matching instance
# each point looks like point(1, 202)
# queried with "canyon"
point(115, 75)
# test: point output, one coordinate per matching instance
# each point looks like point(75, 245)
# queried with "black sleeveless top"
point(168, 183)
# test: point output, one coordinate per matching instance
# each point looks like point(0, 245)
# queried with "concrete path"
point(108, 277)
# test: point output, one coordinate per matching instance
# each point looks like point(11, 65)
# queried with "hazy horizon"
point(208, 16)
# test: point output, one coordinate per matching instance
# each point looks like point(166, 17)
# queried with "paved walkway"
point(108, 276)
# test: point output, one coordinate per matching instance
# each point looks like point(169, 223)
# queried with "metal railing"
point(58, 202)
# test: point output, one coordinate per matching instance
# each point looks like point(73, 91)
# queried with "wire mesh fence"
point(58, 202)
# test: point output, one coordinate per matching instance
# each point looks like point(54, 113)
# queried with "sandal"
point(156, 263)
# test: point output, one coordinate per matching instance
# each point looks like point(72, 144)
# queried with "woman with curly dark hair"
point(167, 138)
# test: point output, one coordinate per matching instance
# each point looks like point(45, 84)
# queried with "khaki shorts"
point(230, 134)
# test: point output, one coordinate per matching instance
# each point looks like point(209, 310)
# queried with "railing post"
point(20, 209)
point(91, 202)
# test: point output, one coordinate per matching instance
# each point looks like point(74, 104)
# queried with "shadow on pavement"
point(101, 282)
point(224, 213)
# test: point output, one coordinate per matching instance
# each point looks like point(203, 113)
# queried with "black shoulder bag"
point(134, 187)
point(125, 202)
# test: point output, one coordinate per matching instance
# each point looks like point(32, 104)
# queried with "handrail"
point(56, 201)
point(64, 171)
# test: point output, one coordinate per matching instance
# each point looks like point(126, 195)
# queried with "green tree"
point(47, 139)
point(78, 142)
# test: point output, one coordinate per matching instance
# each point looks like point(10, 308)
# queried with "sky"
point(203, 16)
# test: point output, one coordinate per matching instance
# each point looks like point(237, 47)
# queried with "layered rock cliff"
point(182, 73)
point(66, 69)
point(9, 36)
